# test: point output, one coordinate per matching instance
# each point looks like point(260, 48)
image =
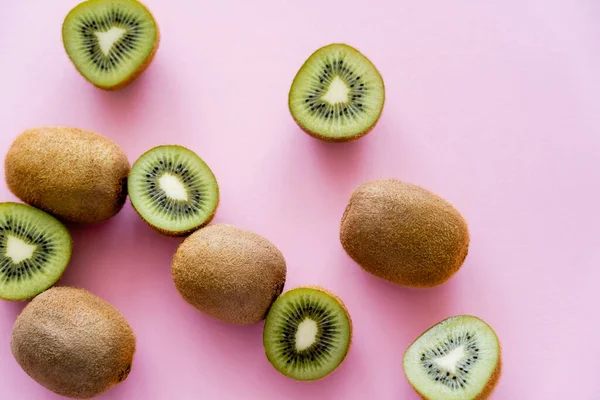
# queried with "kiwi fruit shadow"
point(346, 375)
point(422, 307)
point(144, 255)
point(127, 106)
point(338, 166)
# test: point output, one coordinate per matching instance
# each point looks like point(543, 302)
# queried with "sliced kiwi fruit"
point(173, 190)
point(35, 249)
point(73, 343)
point(337, 95)
point(110, 42)
point(457, 359)
point(76, 175)
point(404, 233)
point(307, 333)
point(229, 273)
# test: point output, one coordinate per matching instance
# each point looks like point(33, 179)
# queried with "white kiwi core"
point(18, 250)
point(106, 40)
point(306, 334)
point(173, 187)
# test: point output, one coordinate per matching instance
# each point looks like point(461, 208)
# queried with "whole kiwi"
point(73, 342)
point(229, 273)
point(404, 233)
point(76, 175)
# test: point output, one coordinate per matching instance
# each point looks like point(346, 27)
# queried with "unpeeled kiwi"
point(404, 233)
point(110, 42)
point(456, 359)
point(229, 273)
point(35, 249)
point(173, 190)
point(337, 95)
point(73, 343)
point(76, 175)
point(307, 333)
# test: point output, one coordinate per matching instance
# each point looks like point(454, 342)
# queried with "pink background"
point(494, 106)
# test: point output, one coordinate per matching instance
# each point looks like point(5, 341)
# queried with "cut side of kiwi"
point(337, 95)
point(35, 249)
point(173, 190)
point(110, 42)
point(457, 359)
point(307, 333)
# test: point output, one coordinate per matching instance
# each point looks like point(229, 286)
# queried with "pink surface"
point(494, 106)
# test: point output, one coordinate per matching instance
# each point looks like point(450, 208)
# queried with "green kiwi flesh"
point(307, 333)
point(110, 42)
point(173, 190)
point(35, 249)
point(337, 95)
point(457, 359)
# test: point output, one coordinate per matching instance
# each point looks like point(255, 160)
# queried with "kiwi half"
point(110, 42)
point(457, 359)
point(173, 190)
point(337, 95)
point(73, 343)
point(35, 249)
point(307, 333)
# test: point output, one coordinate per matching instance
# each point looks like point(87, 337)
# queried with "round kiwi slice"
point(337, 95)
point(35, 249)
point(173, 190)
point(457, 359)
point(110, 42)
point(307, 333)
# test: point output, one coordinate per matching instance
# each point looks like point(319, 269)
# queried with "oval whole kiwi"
point(404, 233)
point(73, 342)
point(76, 175)
point(229, 273)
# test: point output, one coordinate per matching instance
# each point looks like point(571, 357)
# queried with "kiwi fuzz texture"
point(73, 343)
point(173, 190)
point(76, 175)
point(431, 363)
point(35, 249)
point(233, 275)
point(338, 94)
point(404, 233)
point(70, 43)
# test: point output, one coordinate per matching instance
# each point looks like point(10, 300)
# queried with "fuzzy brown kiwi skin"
point(73, 174)
point(219, 268)
point(187, 232)
point(66, 325)
point(422, 258)
point(487, 391)
point(135, 73)
point(330, 139)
